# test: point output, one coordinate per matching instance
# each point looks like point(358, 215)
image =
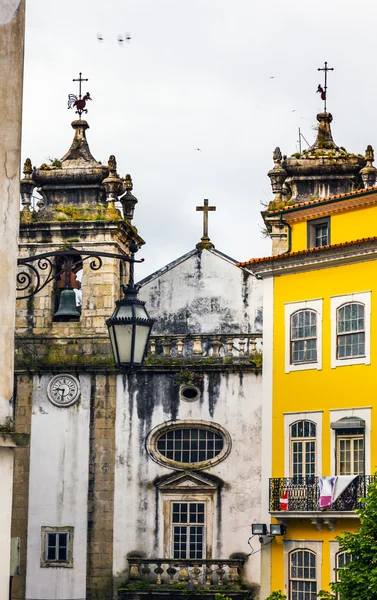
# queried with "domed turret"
point(324, 169)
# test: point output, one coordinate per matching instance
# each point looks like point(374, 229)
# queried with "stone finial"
point(324, 139)
point(369, 154)
point(369, 172)
point(128, 185)
point(27, 186)
point(113, 187)
point(128, 200)
point(112, 164)
point(277, 157)
point(277, 175)
point(28, 169)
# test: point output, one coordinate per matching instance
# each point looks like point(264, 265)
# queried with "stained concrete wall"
point(12, 22)
point(204, 292)
point(58, 489)
point(145, 400)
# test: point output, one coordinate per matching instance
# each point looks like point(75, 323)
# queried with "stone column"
point(12, 22)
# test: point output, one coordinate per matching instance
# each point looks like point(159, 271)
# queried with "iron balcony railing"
point(302, 494)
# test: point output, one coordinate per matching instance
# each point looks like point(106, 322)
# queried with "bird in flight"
point(295, 110)
point(273, 77)
point(100, 37)
point(197, 149)
point(124, 38)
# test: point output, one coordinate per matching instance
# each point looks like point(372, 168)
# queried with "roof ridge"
point(254, 261)
point(327, 199)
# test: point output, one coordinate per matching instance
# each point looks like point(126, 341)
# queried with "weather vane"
point(79, 102)
point(321, 90)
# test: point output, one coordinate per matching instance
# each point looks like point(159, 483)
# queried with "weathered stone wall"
point(231, 399)
point(12, 25)
point(23, 410)
point(101, 487)
point(204, 292)
point(58, 488)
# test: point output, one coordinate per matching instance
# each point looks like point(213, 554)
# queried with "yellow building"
point(320, 367)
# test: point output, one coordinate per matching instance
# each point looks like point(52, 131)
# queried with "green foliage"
point(277, 596)
point(256, 358)
point(358, 580)
point(187, 377)
point(222, 597)
point(325, 595)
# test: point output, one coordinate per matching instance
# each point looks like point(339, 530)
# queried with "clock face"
point(63, 390)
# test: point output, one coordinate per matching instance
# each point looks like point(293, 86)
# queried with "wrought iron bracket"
point(30, 282)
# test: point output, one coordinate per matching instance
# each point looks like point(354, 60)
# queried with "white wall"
point(58, 490)
point(146, 401)
point(204, 293)
point(6, 485)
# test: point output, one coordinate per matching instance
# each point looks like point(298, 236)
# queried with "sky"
point(235, 78)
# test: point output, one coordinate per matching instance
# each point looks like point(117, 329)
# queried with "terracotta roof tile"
point(254, 261)
point(321, 200)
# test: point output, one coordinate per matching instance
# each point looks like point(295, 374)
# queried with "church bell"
point(67, 310)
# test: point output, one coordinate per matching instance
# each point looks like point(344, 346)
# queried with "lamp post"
point(130, 325)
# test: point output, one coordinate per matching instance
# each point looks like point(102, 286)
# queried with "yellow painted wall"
point(342, 387)
point(344, 227)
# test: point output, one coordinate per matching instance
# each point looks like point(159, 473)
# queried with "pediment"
point(191, 481)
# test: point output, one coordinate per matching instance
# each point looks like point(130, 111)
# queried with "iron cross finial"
point(79, 102)
point(205, 209)
point(321, 90)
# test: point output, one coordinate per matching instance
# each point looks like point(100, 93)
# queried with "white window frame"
point(45, 562)
point(311, 545)
point(364, 413)
point(289, 419)
point(289, 309)
point(204, 498)
point(335, 303)
point(188, 526)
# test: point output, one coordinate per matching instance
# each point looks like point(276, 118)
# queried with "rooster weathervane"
point(79, 102)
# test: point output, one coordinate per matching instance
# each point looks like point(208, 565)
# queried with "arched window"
point(341, 560)
point(302, 575)
point(350, 330)
point(303, 448)
point(304, 336)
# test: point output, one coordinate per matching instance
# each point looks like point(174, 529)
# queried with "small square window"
point(57, 546)
point(318, 232)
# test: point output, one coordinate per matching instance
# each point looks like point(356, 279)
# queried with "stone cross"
point(80, 80)
point(205, 209)
point(326, 69)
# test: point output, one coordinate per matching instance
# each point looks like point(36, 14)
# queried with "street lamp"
point(130, 325)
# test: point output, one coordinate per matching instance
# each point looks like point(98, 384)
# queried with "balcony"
point(154, 578)
point(304, 495)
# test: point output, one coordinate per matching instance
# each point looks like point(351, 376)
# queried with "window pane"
point(197, 445)
point(350, 330)
point(304, 336)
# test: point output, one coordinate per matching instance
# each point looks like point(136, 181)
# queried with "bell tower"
point(66, 379)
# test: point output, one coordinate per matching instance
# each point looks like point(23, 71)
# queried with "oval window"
point(189, 445)
point(190, 393)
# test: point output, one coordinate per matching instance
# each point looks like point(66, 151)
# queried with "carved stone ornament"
point(63, 390)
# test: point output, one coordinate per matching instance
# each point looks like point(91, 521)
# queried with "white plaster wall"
point(204, 293)
point(236, 405)
point(6, 485)
point(58, 490)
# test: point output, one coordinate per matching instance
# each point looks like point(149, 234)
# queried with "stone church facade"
point(141, 483)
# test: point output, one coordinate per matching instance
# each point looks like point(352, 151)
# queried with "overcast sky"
point(197, 74)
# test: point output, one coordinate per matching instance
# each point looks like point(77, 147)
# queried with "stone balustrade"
point(169, 572)
point(216, 346)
